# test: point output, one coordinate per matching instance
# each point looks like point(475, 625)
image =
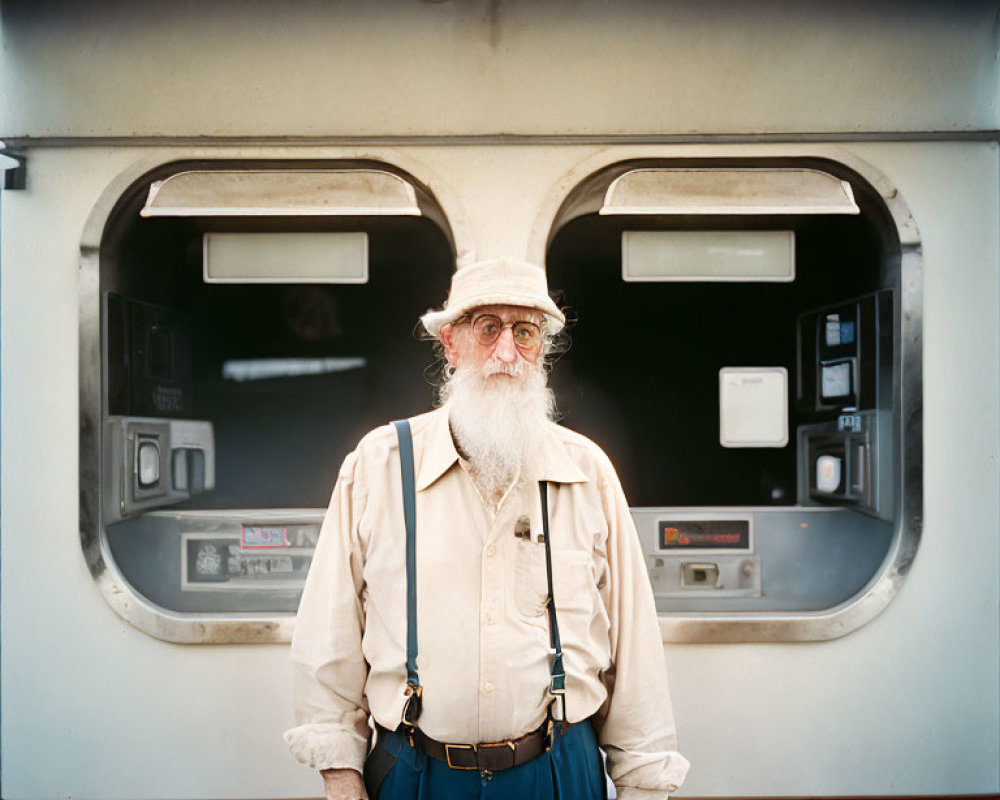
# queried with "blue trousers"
point(571, 770)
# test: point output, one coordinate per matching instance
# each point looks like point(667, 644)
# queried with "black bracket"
point(15, 178)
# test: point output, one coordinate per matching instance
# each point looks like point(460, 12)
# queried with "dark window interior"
point(641, 377)
point(279, 441)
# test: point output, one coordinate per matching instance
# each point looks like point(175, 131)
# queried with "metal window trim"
point(686, 627)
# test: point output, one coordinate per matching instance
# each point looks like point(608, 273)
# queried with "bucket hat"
point(497, 281)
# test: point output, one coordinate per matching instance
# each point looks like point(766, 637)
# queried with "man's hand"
point(343, 784)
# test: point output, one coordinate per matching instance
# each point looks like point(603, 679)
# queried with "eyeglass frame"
point(533, 353)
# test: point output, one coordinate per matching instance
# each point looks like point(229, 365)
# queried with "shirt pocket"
point(572, 578)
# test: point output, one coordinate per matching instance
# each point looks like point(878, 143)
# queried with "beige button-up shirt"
point(481, 617)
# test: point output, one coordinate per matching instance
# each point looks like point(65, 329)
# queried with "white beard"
point(498, 421)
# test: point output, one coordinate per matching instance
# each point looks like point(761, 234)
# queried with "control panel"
point(256, 558)
point(704, 554)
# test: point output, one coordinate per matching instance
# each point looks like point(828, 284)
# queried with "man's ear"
point(447, 334)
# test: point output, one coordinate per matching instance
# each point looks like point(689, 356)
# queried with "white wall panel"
point(404, 68)
point(908, 704)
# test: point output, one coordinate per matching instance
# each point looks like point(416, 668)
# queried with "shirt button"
point(491, 551)
point(488, 687)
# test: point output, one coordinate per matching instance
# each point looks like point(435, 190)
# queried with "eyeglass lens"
point(487, 328)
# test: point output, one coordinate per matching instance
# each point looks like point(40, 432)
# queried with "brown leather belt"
point(492, 757)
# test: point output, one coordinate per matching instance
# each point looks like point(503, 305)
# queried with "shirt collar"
point(555, 464)
point(439, 455)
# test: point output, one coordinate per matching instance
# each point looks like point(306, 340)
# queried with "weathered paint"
point(490, 67)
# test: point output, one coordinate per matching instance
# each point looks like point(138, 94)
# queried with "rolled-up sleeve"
point(328, 669)
point(636, 723)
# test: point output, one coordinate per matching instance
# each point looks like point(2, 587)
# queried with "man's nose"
point(505, 350)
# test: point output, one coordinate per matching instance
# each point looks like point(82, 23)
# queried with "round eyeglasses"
point(527, 335)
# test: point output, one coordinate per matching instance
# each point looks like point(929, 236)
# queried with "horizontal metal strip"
point(20, 142)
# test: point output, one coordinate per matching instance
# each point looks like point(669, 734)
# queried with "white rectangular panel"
point(708, 255)
point(753, 406)
point(329, 257)
point(835, 380)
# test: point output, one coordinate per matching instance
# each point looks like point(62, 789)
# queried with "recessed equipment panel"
point(845, 355)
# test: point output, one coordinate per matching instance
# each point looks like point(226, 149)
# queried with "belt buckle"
point(447, 754)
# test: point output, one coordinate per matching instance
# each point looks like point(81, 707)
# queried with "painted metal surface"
point(403, 68)
point(922, 673)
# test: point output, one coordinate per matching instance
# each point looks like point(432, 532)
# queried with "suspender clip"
point(412, 708)
point(558, 695)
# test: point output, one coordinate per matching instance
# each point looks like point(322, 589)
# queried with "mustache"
point(513, 368)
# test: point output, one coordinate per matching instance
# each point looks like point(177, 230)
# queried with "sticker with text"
point(257, 538)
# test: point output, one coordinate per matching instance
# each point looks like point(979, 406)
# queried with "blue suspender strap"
point(557, 681)
point(414, 691)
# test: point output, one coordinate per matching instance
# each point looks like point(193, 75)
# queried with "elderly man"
point(479, 590)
